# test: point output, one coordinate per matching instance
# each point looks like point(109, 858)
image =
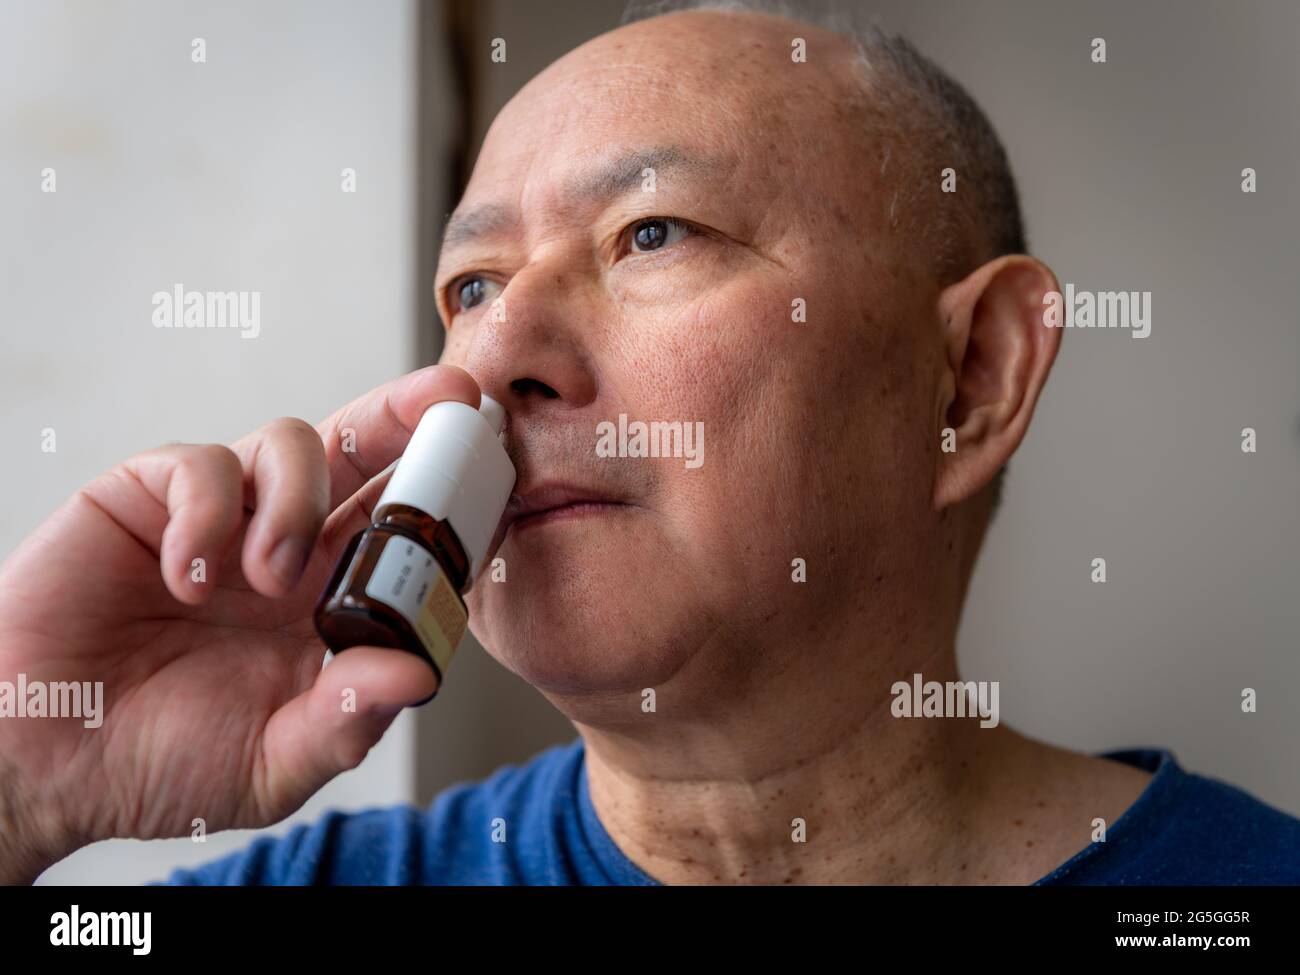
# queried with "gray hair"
point(935, 121)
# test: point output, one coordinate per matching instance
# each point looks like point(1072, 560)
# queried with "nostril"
point(522, 387)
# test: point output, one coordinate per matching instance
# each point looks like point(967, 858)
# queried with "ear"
point(998, 354)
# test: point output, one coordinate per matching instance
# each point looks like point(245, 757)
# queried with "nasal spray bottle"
point(399, 582)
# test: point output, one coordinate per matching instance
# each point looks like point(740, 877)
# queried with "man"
point(679, 222)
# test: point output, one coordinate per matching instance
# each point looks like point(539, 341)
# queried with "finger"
point(355, 514)
point(285, 471)
point(186, 502)
point(330, 727)
point(368, 434)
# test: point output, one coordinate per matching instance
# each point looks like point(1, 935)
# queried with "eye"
point(656, 233)
point(470, 292)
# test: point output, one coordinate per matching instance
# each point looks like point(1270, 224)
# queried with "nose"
point(530, 350)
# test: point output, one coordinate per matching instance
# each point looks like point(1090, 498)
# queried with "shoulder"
point(1231, 837)
point(1187, 828)
point(459, 839)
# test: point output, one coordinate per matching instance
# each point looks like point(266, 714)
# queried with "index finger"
point(368, 434)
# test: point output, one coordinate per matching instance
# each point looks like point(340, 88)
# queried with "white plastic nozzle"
point(455, 469)
point(493, 412)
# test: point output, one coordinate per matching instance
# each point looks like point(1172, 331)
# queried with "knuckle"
point(216, 458)
point(291, 428)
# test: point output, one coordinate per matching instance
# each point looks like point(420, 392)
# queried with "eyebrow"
point(619, 176)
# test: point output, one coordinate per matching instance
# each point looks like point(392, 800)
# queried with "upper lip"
point(547, 497)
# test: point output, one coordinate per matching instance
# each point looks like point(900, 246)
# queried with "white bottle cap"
point(455, 469)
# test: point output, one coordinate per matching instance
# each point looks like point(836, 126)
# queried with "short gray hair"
point(936, 119)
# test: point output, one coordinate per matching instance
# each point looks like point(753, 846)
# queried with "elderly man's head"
point(683, 221)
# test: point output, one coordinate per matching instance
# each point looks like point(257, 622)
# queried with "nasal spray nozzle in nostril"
point(399, 583)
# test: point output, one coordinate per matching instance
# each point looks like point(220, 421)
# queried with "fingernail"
point(287, 559)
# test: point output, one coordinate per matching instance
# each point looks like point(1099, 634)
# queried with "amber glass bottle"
point(399, 583)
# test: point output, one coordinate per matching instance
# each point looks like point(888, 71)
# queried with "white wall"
point(221, 176)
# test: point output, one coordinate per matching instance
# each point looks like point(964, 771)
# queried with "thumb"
point(330, 727)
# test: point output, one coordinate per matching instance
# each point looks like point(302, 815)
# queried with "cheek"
point(808, 429)
point(710, 353)
point(734, 362)
point(456, 345)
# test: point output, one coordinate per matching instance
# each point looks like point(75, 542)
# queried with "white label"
point(409, 579)
point(403, 577)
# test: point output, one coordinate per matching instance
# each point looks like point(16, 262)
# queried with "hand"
point(214, 703)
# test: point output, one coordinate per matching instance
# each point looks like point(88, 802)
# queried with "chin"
point(578, 670)
point(580, 630)
point(590, 606)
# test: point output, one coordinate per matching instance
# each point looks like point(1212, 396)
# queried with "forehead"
point(718, 86)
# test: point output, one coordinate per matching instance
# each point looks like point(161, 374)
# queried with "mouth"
point(550, 504)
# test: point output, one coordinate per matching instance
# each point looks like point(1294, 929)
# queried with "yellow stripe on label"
point(441, 623)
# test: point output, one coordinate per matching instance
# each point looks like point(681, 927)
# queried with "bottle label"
point(408, 578)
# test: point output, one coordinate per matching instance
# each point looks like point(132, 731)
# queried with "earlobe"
point(998, 353)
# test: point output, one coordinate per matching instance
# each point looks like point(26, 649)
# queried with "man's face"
point(818, 435)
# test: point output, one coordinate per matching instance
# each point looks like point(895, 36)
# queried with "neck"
point(822, 785)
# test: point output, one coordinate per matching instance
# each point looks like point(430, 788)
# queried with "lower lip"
point(567, 513)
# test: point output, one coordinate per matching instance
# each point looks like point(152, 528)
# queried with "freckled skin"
point(820, 443)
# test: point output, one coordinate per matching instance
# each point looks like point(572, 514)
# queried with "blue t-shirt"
point(1183, 829)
